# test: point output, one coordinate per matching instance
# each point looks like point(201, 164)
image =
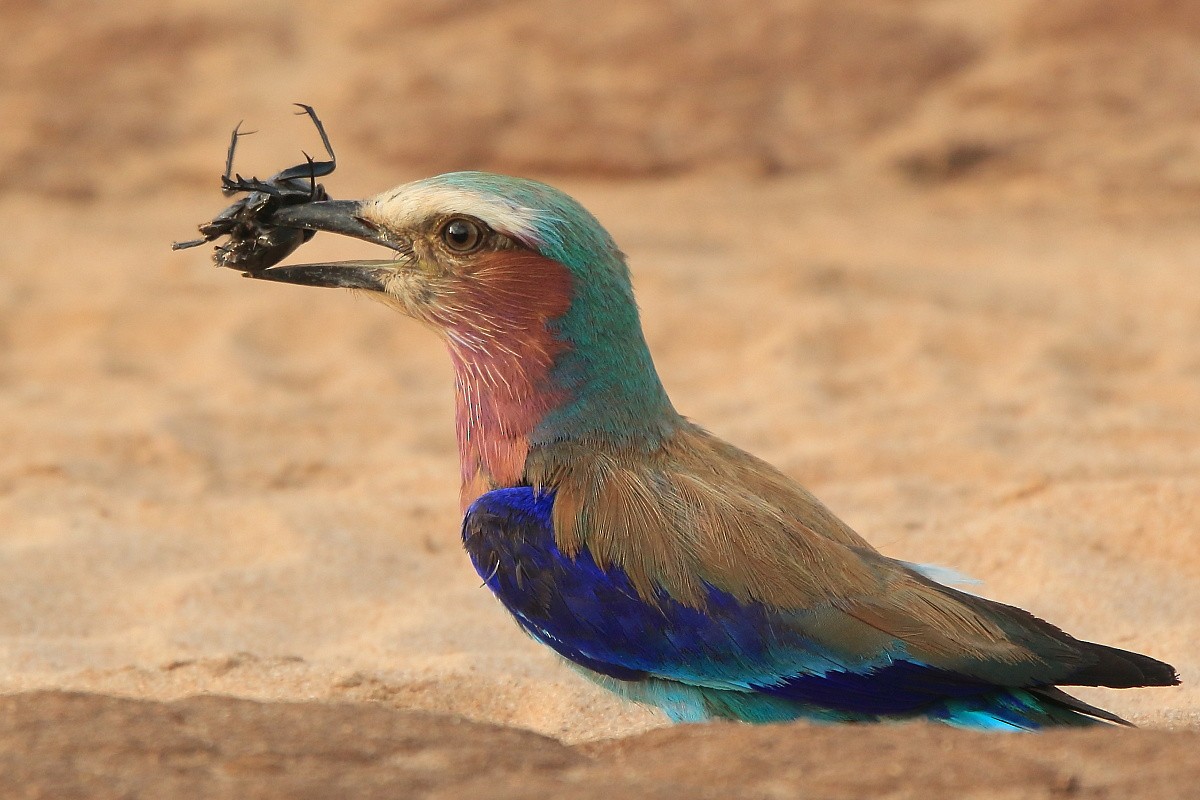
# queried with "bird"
point(658, 560)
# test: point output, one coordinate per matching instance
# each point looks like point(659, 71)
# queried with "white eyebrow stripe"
point(409, 205)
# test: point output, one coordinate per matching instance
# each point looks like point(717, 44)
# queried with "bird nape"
point(663, 563)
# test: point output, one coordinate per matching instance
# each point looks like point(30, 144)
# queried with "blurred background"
point(935, 259)
point(1084, 95)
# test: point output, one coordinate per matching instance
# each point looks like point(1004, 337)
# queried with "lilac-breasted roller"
point(665, 564)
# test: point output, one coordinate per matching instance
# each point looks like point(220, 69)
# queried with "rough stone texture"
point(62, 746)
point(57, 745)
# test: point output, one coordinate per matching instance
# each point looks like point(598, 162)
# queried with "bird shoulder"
point(695, 510)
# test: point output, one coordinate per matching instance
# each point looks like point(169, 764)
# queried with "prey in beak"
point(334, 216)
point(463, 260)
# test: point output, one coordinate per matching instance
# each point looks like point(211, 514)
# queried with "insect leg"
point(320, 130)
point(240, 184)
point(311, 169)
point(312, 176)
point(188, 243)
point(226, 186)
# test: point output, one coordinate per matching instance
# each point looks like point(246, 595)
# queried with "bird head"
point(459, 235)
point(527, 288)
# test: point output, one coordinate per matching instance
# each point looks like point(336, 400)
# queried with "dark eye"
point(462, 235)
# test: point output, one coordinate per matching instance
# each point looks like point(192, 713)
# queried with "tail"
point(1121, 669)
point(1022, 710)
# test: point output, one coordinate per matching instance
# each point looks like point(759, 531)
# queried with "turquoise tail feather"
point(1005, 710)
point(1020, 710)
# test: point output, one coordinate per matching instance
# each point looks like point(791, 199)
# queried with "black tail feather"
point(1121, 669)
point(1060, 698)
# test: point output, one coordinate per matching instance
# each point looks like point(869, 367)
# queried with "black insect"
point(254, 244)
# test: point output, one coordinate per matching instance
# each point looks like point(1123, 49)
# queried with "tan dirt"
point(938, 266)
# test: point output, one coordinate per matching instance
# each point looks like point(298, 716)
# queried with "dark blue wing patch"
point(596, 619)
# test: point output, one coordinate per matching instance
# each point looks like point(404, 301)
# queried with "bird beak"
point(334, 216)
point(369, 275)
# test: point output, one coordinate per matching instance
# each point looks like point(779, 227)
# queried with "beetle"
point(254, 244)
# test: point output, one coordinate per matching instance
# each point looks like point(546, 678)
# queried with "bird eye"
point(462, 235)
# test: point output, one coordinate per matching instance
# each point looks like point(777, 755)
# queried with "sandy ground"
point(970, 323)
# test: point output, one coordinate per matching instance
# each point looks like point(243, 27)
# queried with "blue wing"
point(595, 618)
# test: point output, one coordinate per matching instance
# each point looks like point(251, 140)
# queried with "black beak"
point(369, 275)
point(334, 216)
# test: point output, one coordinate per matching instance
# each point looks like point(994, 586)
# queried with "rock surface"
point(64, 746)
